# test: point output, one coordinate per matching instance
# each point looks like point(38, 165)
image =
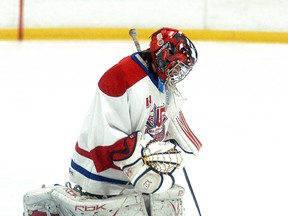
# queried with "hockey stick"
point(133, 35)
point(191, 190)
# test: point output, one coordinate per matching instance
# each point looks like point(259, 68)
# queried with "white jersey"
point(128, 98)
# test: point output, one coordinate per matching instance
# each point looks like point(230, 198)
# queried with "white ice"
point(237, 105)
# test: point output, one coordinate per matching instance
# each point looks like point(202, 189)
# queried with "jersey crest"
point(155, 125)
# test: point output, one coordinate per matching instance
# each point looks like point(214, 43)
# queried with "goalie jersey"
point(128, 98)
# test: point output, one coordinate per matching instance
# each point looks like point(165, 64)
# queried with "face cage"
point(178, 73)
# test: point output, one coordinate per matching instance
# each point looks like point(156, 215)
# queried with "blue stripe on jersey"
point(155, 82)
point(93, 176)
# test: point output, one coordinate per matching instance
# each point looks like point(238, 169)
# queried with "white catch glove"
point(150, 165)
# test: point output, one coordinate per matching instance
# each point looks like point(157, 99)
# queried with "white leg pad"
point(168, 203)
point(64, 201)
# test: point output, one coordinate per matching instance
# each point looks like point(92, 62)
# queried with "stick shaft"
point(191, 190)
point(133, 35)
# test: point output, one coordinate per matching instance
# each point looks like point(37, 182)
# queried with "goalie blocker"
point(65, 201)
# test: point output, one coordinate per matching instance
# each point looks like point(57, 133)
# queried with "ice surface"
point(237, 106)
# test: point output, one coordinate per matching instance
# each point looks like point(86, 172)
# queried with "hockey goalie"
point(133, 139)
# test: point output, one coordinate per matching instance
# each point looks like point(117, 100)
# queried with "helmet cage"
point(175, 59)
point(178, 72)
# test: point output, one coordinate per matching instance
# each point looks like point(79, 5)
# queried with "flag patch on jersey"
point(148, 101)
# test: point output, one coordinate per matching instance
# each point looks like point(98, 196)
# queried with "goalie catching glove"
point(149, 165)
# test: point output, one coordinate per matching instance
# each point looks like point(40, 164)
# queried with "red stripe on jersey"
point(82, 152)
point(101, 156)
point(188, 132)
point(120, 77)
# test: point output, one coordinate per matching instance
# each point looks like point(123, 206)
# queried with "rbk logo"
point(84, 208)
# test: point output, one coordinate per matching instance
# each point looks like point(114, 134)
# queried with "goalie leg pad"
point(168, 203)
point(64, 201)
point(39, 203)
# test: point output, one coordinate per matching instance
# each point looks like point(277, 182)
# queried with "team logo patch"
point(155, 125)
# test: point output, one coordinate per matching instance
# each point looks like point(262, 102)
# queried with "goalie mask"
point(173, 54)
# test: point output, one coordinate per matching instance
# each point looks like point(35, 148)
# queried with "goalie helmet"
point(173, 54)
